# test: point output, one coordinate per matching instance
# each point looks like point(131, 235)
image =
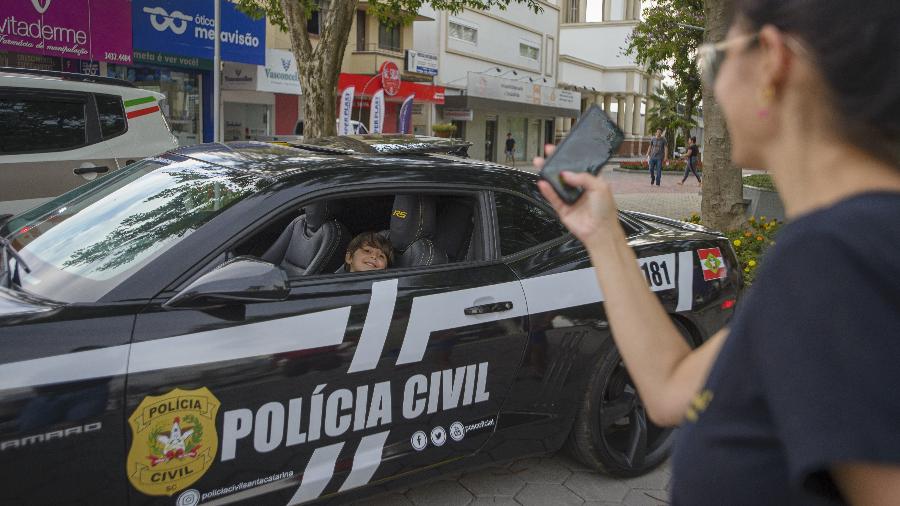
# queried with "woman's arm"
point(868, 484)
point(666, 371)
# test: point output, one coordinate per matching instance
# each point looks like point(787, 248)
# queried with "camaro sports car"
point(185, 331)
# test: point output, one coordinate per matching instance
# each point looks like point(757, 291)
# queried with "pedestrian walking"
point(691, 159)
point(510, 149)
point(792, 402)
point(657, 155)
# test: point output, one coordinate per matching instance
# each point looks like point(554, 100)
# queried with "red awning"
point(423, 92)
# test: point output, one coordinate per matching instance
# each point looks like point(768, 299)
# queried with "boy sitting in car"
point(368, 251)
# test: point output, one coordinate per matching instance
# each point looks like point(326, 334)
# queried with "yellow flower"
point(752, 263)
point(762, 219)
point(760, 238)
point(747, 234)
point(752, 219)
point(746, 269)
point(737, 243)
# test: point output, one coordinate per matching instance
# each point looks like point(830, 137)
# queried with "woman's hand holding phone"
point(593, 218)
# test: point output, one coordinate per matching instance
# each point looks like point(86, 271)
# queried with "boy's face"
point(366, 258)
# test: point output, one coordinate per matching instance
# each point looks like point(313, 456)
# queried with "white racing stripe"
point(78, 366)
point(685, 281)
point(318, 473)
point(366, 460)
point(562, 290)
point(441, 311)
point(375, 329)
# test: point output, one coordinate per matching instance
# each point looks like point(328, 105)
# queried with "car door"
point(55, 145)
point(353, 378)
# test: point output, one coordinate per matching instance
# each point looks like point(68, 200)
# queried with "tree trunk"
point(722, 205)
point(319, 68)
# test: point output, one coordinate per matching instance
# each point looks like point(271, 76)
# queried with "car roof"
point(68, 81)
point(294, 164)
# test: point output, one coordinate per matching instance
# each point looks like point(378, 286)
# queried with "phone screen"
point(589, 145)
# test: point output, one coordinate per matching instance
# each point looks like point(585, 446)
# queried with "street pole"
point(217, 70)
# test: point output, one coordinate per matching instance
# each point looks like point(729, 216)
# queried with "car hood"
point(14, 303)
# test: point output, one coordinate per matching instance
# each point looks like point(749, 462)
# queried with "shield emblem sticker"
point(174, 440)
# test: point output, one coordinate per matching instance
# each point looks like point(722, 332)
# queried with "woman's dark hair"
point(856, 46)
point(693, 139)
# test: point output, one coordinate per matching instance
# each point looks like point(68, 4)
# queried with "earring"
point(765, 98)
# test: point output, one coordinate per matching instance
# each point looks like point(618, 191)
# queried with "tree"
point(722, 203)
point(666, 113)
point(319, 62)
point(666, 41)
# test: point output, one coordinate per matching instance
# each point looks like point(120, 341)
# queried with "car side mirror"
point(241, 279)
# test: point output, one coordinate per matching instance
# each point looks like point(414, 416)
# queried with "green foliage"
point(666, 41)
point(763, 181)
point(153, 441)
point(197, 435)
point(666, 113)
point(388, 11)
point(750, 243)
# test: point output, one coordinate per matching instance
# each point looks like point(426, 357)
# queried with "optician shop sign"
point(187, 29)
point(82, 29)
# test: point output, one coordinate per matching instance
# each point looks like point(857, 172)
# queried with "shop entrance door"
point(246, 121)
point(490, 140)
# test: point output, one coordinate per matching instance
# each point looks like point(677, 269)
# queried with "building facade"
point(500, 70)
point(591, 61)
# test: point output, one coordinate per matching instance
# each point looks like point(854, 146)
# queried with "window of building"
point(361, 31)
point(463, 32)
point(529, 51)
point(572, 11)
point(38, 124)
point(314, 23)
point(389, 37)
point(523, 224)
point(112, 115)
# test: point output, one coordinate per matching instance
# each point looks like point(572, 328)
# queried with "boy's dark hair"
point(374, 240)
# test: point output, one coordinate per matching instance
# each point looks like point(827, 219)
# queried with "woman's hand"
point(593, 217)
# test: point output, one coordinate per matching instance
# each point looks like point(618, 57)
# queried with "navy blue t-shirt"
point(809, 375)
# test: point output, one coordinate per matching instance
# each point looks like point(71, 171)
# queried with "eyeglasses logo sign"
point(174, 440)
point(162, 20)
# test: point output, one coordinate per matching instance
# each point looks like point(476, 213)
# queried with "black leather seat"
point(313, 243)
point(412, 232)
point(454, 230)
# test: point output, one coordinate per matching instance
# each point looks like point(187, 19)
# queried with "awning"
point(423, 92)
point(505, 106)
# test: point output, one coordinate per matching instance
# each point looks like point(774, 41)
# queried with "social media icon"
point(457, 431)
point(419, 441)
point(438, 436)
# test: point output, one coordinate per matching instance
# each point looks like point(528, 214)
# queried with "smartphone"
point(589, 145)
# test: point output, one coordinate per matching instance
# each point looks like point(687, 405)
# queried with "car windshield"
point(86, 242)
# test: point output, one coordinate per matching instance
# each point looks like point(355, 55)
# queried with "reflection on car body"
point(189, 315)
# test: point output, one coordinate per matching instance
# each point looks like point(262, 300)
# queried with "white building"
point(591, 61)
point(500, 69)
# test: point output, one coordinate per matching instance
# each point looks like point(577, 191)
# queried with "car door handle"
point(88, 170)
point(493, 307)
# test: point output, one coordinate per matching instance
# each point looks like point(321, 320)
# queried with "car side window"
point(29, 125)
point(112, 115)
point(524, 224)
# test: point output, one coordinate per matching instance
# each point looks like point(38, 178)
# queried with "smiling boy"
point(368, 251)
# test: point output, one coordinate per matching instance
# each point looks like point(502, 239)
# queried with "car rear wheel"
point(612, 432)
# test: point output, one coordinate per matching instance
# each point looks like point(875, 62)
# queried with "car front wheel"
point(612, 432)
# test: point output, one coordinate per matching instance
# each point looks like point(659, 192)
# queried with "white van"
point(58, 130)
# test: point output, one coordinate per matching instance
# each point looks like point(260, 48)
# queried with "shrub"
point(443, 129)
point(763, 181)
point(750, 243)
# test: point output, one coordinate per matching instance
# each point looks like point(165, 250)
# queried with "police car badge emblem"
point(174, 440)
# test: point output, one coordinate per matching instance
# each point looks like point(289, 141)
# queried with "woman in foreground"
point(796, 402)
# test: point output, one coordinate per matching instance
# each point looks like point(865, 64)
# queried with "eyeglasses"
point(712, 55)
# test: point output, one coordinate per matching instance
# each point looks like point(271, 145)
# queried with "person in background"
point(510, 149)
point(794, 402)
point(691, 158)
point(657, 155)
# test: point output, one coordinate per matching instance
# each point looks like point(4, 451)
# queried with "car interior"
point(424, 230)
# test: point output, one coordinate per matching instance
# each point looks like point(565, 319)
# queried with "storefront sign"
point(82, 29)
point(390, 78)
point(175, 27)
point(421, 63)
point(459, 114)
point(172, 60)
point(497, 88)
point(280, 75)
point(239, 76)
point(423, 92)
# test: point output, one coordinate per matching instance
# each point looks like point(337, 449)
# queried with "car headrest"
point(319, 213)
point(412, 218)
point(455, 225)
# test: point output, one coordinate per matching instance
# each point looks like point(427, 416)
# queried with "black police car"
point(182, 330)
